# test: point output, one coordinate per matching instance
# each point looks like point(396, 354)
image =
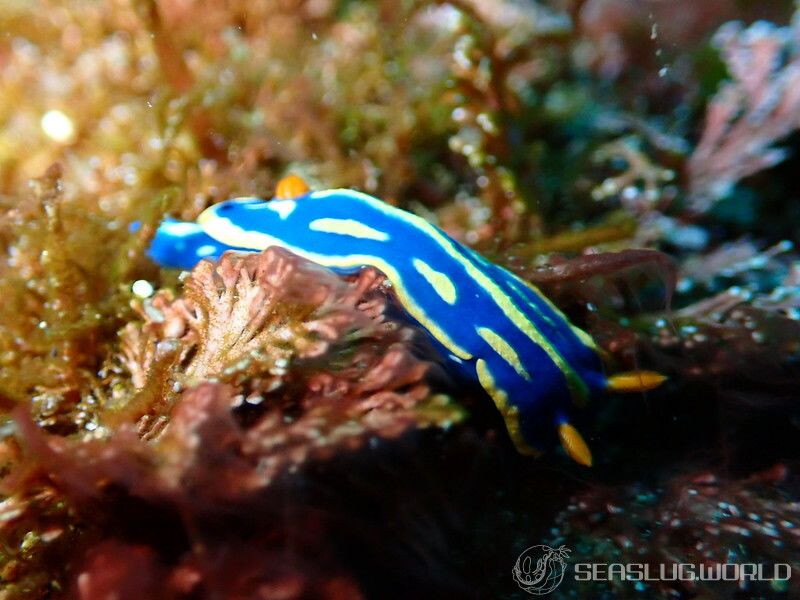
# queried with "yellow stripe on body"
point(349, 227)
point(510, 413)
point(577, 386)
point(584, 337)
point(518, 281)
point(223, 230)
point(504, 349)
point(515, 283)
point(440, 282)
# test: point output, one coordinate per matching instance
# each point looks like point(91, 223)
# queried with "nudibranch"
point(493, 327)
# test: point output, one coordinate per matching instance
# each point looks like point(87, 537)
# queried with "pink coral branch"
point(311, 354)
point(749, 114)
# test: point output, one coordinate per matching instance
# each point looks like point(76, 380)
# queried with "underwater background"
point(261, 427)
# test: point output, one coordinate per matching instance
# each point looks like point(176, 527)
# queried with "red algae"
point(695, 519)
point(266, 363)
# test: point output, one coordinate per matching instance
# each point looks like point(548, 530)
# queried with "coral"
point(739, 319)
point(639, 186)
point(740, 261)
point(39, 529)
point(303, 367)
point(749, 114)
point(492, 61)
point(561, 270)
point(58, 314)
point(121, 517)
point(592, 288)
point(745, 336)
point(142, 576)
point(291, 337)
point(695, 518)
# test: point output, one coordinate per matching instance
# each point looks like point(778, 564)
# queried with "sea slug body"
point(494, 328)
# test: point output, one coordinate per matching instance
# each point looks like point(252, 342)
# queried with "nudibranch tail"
point(635, 381)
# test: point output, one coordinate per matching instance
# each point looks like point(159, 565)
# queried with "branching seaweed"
point(749, 114)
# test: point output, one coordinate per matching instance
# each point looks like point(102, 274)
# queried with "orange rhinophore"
point(290, 187)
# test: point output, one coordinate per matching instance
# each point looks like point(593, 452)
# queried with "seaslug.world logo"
point(540, 569)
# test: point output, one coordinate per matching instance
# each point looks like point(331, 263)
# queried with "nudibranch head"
point(182, 245)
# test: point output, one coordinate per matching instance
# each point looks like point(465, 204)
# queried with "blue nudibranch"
point(494, 327)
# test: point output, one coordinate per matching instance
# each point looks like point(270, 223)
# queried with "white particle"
point(58, 126)
point(459, 114)
point(630, 192)
point(142, 288)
